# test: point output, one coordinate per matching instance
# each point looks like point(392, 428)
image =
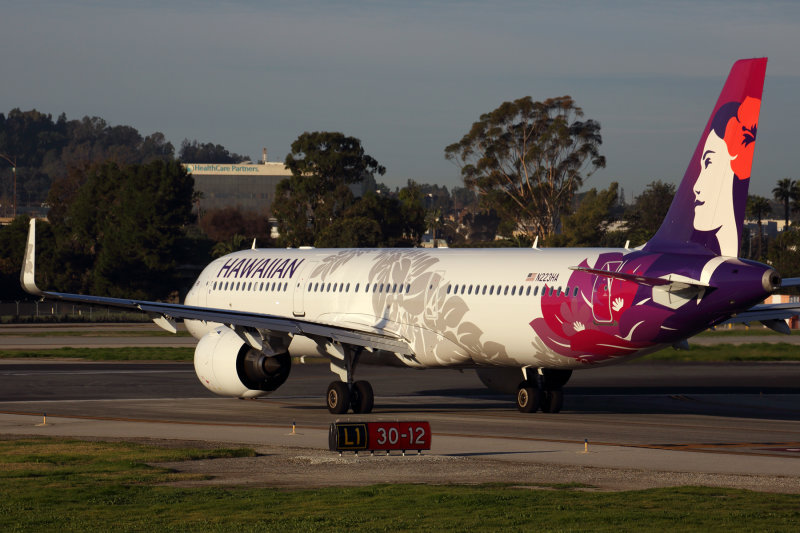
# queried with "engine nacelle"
point(228, 366)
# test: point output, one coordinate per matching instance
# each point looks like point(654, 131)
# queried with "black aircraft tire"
point(362, 399)
point(528, 398)
point(338, 397)
point(553, 401)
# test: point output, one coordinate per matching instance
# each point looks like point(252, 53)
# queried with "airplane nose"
point(771, 280)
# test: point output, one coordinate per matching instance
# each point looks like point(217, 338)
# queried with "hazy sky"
point(407, 78)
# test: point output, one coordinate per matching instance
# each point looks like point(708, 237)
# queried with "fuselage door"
point(301, 287)
point(601, 294)
point(434, 296)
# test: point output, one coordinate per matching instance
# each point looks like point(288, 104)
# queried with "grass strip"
point(754, 352)
point(755, 331)
point(94, 333)
point(106, 354)
point(96, 316)
point(70, 485)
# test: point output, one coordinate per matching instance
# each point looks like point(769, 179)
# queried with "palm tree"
point(433, 221)
point(785, 191)
point(757, 207)
point(235, 243)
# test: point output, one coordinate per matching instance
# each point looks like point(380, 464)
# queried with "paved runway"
point(736, 422)
point(732, 419)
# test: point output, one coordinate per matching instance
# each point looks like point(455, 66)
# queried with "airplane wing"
point(163, 314)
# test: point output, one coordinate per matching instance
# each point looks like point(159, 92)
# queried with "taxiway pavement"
point(733, 421)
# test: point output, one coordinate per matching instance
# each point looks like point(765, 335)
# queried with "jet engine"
point(228, 366)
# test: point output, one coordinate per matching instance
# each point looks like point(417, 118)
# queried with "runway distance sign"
point(372, 436)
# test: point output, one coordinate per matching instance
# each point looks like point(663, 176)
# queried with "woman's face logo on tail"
point(713, 204)
point(727, 155)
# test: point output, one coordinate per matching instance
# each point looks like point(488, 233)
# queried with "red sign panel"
point(355, 436)
point(399, 435)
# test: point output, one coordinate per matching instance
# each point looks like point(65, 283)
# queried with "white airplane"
point(523, 318)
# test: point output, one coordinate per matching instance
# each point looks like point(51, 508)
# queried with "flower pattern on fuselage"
point(608, 317)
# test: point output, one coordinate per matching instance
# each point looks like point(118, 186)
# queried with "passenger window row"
point(395, 288)
point(520, 290)
point(275, 286)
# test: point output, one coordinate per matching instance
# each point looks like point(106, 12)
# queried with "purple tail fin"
point(708, 209)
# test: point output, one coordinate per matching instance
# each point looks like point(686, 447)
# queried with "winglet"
point(26, 275)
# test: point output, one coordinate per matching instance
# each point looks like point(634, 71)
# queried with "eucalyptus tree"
point(320, 163)
point(527, 159)
point(648, 210)
point(588, 225)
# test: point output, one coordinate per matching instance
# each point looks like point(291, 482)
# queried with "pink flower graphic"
point(608, 317)
point(740, 137)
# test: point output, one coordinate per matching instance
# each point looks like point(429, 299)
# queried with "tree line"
point(121, 205)
point(47, 150)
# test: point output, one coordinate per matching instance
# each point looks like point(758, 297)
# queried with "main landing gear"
point(358, 397)
point(346, 394)
point(544, 390)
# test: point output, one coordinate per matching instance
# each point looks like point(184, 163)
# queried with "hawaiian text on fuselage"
point(259, 268)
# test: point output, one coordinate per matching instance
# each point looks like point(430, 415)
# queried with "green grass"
point(98, 316)
point(106, 354)
point(68, 485)
point(760, 351)
point(155, 332)
point(705, 354)
point(755, 331)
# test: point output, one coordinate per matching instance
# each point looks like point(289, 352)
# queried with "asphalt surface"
point(643, 424)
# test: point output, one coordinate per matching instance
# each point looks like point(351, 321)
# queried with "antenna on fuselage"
point(254, 245)
point(535, 243)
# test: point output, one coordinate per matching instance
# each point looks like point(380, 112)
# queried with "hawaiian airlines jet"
point(523, 318)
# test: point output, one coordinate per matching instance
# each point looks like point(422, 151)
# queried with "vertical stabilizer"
point(708, 209)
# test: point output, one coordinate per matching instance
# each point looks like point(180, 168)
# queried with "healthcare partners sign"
point(226, 169)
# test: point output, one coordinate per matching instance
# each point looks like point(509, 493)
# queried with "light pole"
point(14, 170)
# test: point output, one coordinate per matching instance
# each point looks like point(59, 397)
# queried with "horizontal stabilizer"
point(767, 314)
point(645, 280)
point(778, 325)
